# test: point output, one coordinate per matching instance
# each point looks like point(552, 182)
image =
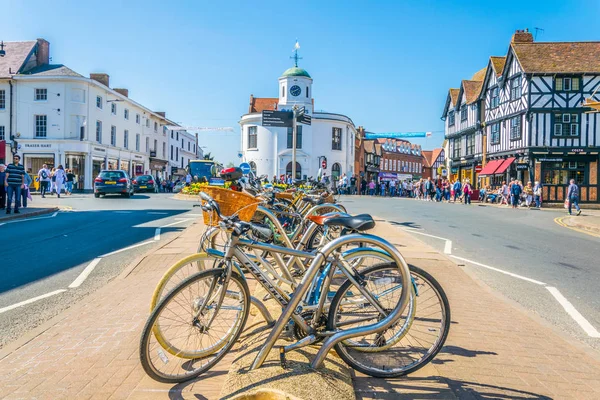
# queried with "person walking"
point(457, 190)
point(504, 192)
point(44, 179)
point(2, 188)
point(392, 188)
point(515, 193)
point(572, 196)
point(363, 186)
point(60, 177)
point(372, 188)
point(52, 181)
point(467, 191)
point(14, 181)
point(537, 194)
point(70, 182)
point(25, 192)
point(528, 190)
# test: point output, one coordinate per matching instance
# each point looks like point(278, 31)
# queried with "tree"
point(230, 164)
point(207, 156)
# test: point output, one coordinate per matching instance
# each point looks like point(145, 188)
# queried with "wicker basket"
point(230, 202)
point(330, 199)
point(284, 195)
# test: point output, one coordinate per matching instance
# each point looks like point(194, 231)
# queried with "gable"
point(17, 54)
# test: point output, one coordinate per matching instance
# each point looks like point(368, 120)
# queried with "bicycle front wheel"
point(407, 345)
point(191, 339)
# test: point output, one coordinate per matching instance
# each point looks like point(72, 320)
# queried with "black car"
point(113, 181)
point(143, 183)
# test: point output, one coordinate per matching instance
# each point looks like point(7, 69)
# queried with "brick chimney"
point(522, 36)
point(251, 102)
point(124, 92)
point(102, 78)
point(161, 113)
point(43, 52)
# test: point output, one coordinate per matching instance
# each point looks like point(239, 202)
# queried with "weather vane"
point(296, 57)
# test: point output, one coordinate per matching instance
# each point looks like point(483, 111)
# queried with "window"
point(126, 139)
point(113, 135)
point(126, 113)
point(495, 134)
point(451, 118)
point(155, 127)
point(147, 145)
point(137, 142)
point(182, 144)
point(515, 88)
point(290, 137)
point(155, 148)
point(171, 152)
point(164, 150)
point(515, 128)
point(560, 173)
point(2, 133)
point(2, 99)
point(336, 171)
point(147, 122)
point(456, 148)
point(470, 144)
point(137, 118)
point(252, 137)
point(566, 125)
point(176, 153)
point(113, 108)
point(99, 102)
point(253, 167)
point(41, 94)
point(99, 131)
point(288, 170)
point(566, 84)
point(495, 98)
point(283, 91)
point(385, 164)
point(189, 146)
point(41, 124)
point(307, 95)
point(336, 139)
point(464, 113)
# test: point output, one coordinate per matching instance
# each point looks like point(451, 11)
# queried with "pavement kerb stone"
point(23, 340)
point(44, 211)
point(578, 224)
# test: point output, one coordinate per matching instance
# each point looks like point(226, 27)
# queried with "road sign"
point(245, 167)
point(305, 119)
point(444, 172)
point(216, 182)
point(277, 118)
point(478, 168)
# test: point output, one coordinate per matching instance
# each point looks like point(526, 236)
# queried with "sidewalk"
point(494, 349)
point(586, 222)
point(25, 213)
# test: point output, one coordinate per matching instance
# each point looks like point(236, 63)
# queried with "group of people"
point(514, 194)
point(52, 181)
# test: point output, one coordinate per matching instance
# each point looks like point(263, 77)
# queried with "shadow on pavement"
point(34, 250)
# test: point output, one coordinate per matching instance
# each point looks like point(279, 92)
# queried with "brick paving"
point(495, 349)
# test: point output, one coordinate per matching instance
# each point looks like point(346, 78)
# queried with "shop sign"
point(137, 157)
point(37, 145)
point(100, 149)
point(577, 150)
point(521, 167)
point(387, 175)
point(152, 153)
point(550, 159)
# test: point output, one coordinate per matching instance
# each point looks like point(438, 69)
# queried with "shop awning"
point(505, 164)
point(491, 167)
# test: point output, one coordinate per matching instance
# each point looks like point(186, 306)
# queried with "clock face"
point(295, 90)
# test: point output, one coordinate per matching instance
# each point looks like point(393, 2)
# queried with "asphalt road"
point(49, 253)
point(527, 243)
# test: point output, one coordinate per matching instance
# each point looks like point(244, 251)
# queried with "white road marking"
point(448, 247)
point(30, 219)
point(177, 222)
point(499, 270)
point(126, 248)
point(85, 273)
point(29, 301)
point(157, 234)
point(194, 215)
point(583, 323)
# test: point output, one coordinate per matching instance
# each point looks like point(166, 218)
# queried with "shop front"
point(75, 162)
point(158, 167)
point(556, 170)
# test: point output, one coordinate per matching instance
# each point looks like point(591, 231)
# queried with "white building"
point(268, 150)
point(50, 114)
point(183, 147)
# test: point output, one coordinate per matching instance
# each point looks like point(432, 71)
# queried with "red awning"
point(490, 167)
point(501, 169)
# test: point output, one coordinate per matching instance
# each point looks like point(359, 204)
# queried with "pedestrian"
point(14, 181)
point(372, 188)
point(572, 196)
point(353, 184)
point(25, 194)
point(44, 179)
point(2, 187)
point(70, 181)
point(537, 194)
point(515, 193)
point(528, 190)
point(188, 179)
point(467, 191)
point(457, 189)
point(504, 193)
point(60, 177)
point(53, 181)
point(363, 186)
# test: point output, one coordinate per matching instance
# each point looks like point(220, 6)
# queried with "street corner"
point(26, 213)
point(588, 224)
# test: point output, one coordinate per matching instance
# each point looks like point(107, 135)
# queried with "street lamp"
point(2, 51)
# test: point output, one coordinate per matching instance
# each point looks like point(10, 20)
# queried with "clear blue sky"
point(386, 64)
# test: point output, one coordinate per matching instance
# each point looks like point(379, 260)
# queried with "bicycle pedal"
point(282, 359)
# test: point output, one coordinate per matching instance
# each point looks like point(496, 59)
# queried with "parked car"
point(177, 188)
point(143, 183)
point(113, 182)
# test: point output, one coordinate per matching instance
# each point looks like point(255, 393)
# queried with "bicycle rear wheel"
point(411, 342)
point(190, 342)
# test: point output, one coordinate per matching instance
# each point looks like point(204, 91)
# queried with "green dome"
point(295, 71)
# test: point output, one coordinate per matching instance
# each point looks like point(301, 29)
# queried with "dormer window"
point(451, 118)
point(463, 113)
point(567, 84)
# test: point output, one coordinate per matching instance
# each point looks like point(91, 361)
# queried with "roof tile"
point(558, 57)
point(16, 54)
point(265, 103)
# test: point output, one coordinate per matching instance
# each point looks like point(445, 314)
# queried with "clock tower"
point(295, 87)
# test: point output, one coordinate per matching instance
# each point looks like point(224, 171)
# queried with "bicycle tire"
point(435, 348)
point(146, 359)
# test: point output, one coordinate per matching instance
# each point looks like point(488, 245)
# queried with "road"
point(545, 259)
point(48, 254)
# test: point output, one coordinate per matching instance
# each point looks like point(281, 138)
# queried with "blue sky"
point(386, 64)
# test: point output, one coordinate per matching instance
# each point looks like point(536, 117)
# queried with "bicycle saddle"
point(313, 201)
point(361, 222)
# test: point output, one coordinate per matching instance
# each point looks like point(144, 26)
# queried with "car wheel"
point(96, 195)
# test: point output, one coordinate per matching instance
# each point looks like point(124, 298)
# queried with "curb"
point(577, 227)
point(29, 214)
point(181, 196)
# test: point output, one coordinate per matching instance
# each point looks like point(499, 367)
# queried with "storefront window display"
point(97, 166)
point(76, 163)
point(560, 173)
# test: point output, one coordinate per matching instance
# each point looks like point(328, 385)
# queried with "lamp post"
point(2, 51)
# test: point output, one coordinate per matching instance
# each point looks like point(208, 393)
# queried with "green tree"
point(230, 164)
